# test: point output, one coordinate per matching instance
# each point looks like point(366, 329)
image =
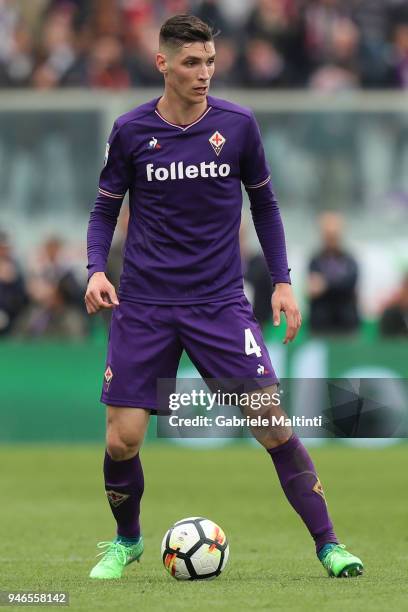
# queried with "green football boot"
point(115, 558)
point(339, 563)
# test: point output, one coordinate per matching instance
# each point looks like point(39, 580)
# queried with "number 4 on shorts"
point(251, 347)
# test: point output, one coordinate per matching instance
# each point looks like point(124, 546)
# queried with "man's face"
point(188, 70)
point(331, 227)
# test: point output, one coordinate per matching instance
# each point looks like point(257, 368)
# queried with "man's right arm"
point(114, 182)
point(100, 292)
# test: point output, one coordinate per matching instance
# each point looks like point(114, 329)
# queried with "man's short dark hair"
point(182, 29)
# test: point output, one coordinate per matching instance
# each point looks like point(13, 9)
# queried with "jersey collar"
point(183, 128)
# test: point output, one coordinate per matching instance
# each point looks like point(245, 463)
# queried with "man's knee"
point(125, 430)
point(120, 450)
point(120, 445)
point(278, 438)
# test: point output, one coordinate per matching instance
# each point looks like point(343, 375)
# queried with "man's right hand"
point(317, 285)
point(100, 294)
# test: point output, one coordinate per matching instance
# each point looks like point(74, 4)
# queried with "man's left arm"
point(269, 228)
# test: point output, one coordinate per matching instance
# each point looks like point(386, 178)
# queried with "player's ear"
point(161, 63)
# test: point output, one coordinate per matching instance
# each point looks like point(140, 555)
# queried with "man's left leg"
point(224, 341)
point(303, 489)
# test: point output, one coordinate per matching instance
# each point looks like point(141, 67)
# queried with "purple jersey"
point(185, 202)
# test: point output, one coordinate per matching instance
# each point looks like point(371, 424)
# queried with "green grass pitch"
point(53, 511)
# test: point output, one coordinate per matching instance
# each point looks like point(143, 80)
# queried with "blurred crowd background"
point(319, 44)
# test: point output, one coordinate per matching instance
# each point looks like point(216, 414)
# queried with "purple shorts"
point(223, 340)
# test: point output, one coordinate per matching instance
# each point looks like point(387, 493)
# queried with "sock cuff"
point(118, 469)
point(288, 446)
point(124, 462)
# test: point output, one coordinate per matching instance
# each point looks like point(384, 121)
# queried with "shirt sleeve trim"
point(111, 195)
point(261, 184)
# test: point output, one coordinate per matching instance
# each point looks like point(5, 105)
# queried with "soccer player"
point(182, 157)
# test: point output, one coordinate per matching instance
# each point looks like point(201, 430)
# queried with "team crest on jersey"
point(217, 141)
point(108, 377)
point(115, 498)
point(106, 153)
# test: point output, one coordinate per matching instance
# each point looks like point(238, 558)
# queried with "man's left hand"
point(284, 300)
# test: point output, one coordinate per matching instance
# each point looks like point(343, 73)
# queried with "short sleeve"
point(254, 169)
point(116, 174)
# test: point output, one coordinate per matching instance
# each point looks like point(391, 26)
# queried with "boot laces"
point(113, 550)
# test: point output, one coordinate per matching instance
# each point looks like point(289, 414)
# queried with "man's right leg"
point(124, 486)
point(124, 483)
point(143, 347)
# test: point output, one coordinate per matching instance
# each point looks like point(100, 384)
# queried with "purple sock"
point(302, 487)
point(124, 486)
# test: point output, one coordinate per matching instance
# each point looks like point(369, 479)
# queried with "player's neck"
point(176, 111)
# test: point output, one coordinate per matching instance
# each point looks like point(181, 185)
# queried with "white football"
point(195, 548)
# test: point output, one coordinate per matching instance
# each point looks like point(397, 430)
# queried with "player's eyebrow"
point(195, 57)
